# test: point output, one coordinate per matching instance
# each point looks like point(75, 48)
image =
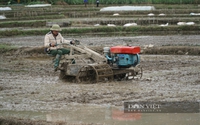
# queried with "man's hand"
point(75, 42)
point(52, 44)
point(72, 42)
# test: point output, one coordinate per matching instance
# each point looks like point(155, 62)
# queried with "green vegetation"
point(149, 30)
point(6, 47)
point(23, 24)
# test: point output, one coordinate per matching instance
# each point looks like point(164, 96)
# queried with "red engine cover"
point(125, 49)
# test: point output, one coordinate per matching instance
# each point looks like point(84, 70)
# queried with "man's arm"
point(66, 41)
point(46, 41)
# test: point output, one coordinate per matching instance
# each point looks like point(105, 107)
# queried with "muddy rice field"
point(32, 93)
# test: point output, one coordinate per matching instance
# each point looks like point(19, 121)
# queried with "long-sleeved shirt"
point(50, 39)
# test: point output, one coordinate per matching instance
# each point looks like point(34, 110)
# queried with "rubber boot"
point(56, 62)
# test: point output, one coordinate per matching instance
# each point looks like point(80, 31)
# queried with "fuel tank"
point(125, 49)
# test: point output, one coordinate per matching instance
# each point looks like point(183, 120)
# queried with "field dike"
point(163, 50)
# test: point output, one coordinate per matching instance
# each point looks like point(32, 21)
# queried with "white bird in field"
point(181, 23)
point(190, 23)
point(162, 14)
point(150, 14)
point(164, 24)
point(116, 14)
point(130, 24)
point(97, 25)
point(2, 17)
point(111, 25)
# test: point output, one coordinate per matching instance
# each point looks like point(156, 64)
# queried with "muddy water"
point(35, 41)
point(114, 115)
point(30, 89)
point(104, 114)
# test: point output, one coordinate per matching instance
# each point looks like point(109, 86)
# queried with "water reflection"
point(115, 115)
point(107, 115)
point(92, 114)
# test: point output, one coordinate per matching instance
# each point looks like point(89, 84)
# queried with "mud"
point(35, 41)
point(28, 82)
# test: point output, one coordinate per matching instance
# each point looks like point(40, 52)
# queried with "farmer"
point(85, 2)
point(53, 44)
point(97, 1)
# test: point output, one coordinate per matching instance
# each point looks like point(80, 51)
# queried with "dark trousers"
point(58, 54)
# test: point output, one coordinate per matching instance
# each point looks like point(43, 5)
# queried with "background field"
point(32, 93)
point(80, 20)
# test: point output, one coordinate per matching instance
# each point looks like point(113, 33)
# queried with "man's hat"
point(55, 27)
